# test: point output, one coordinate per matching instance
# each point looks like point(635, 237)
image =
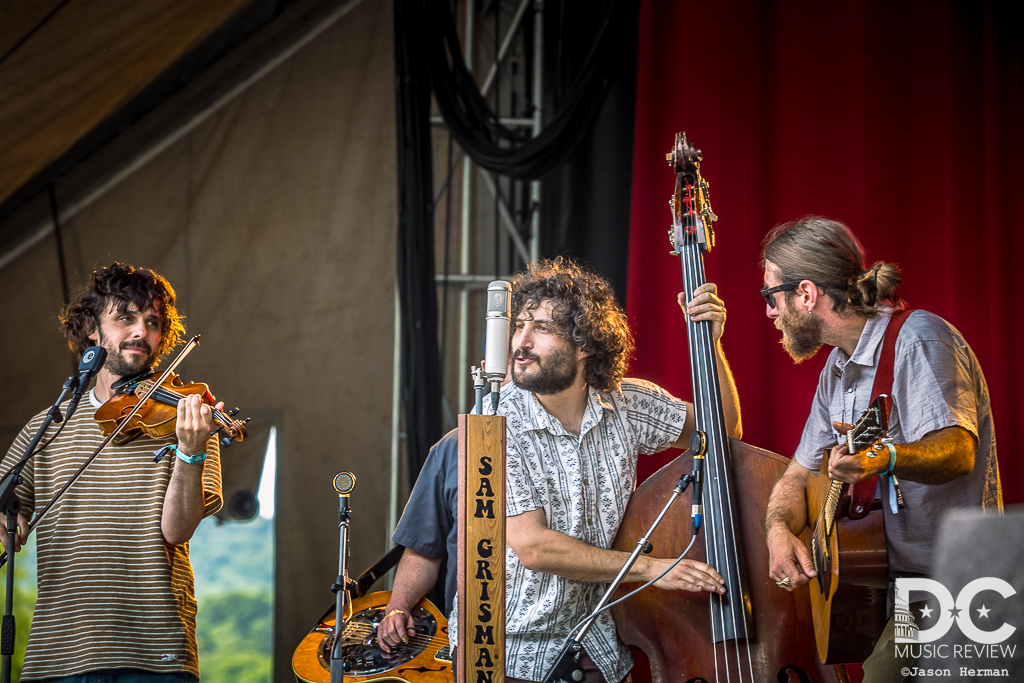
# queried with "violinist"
point(115, 586)
point(819, 290)
point(574, 427)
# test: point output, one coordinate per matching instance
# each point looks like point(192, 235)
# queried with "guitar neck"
point(828, 511)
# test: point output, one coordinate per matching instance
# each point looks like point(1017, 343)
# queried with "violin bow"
point(192, 343)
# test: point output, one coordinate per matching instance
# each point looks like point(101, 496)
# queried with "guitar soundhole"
point(360, 652)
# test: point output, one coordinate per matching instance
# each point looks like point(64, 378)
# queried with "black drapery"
point(589, 46)
point(420, 364)
point(473, 122)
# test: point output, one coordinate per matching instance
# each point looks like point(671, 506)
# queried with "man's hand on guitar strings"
point(395, 628)
point(788, 559)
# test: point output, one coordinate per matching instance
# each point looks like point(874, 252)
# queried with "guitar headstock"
point(872, 425)
point(690, 203)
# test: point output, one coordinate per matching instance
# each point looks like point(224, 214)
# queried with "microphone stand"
point(10, 505)
point(566, 668)
point(478, 389)
point(344, 483)
point(110, 437)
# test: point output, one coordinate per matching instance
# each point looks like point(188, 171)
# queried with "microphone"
point(499, 315)
point(344, 484)
point(92, 361)
point(698, 447)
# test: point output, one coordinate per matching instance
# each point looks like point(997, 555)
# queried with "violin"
point(157, 416)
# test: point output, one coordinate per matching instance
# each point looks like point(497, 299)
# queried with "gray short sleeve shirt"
point(937, 383)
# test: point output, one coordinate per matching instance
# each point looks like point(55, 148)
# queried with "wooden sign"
point(480, 647)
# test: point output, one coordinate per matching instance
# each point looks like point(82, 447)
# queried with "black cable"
point(477, 127)
point(446, 268)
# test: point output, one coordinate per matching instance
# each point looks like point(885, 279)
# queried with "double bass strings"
point(710, 418)
point(580, 626)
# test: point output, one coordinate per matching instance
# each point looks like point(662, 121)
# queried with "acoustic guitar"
point(424, 659)
point(848, 548)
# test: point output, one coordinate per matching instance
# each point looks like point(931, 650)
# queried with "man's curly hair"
point(122, 285)
point(584, 308)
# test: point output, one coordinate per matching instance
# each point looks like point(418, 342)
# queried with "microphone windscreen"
point(344, 483)
point(92, 360)
point(499, 302)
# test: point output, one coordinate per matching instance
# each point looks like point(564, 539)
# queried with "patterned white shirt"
point(583, 485)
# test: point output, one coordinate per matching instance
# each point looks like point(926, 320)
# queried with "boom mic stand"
point(10, 505)
point(566, 668)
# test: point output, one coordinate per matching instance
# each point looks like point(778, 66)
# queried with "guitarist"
point(818, 291)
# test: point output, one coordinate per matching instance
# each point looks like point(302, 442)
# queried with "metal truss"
point(487, 226)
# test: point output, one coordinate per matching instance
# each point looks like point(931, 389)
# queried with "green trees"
point(234, 569)
point(235, 637)
point(24, 601)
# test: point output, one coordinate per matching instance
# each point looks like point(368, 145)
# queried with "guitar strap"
point(862, 494)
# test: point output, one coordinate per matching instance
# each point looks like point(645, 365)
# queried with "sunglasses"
point(769, 292)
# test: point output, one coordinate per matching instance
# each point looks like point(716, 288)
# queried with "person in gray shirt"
point(819, 291)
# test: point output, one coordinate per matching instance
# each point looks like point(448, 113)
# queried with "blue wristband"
point(892, 454)
point(895, 495)
point(190, 459)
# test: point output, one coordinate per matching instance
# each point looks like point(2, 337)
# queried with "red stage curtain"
point(903, 120)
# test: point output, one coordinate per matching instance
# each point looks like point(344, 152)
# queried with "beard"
point(555, 373)
point(121, 366)
point(801, 335)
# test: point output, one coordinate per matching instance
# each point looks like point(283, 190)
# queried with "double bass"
point(756, 632)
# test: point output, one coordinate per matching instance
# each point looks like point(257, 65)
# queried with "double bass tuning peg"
point(672, 241)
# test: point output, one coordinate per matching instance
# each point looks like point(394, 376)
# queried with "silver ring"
point(785, 583)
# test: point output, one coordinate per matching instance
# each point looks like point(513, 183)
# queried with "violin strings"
point(170, 396)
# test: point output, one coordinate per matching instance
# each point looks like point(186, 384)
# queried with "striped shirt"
point(112, 593)
point(583, 485)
